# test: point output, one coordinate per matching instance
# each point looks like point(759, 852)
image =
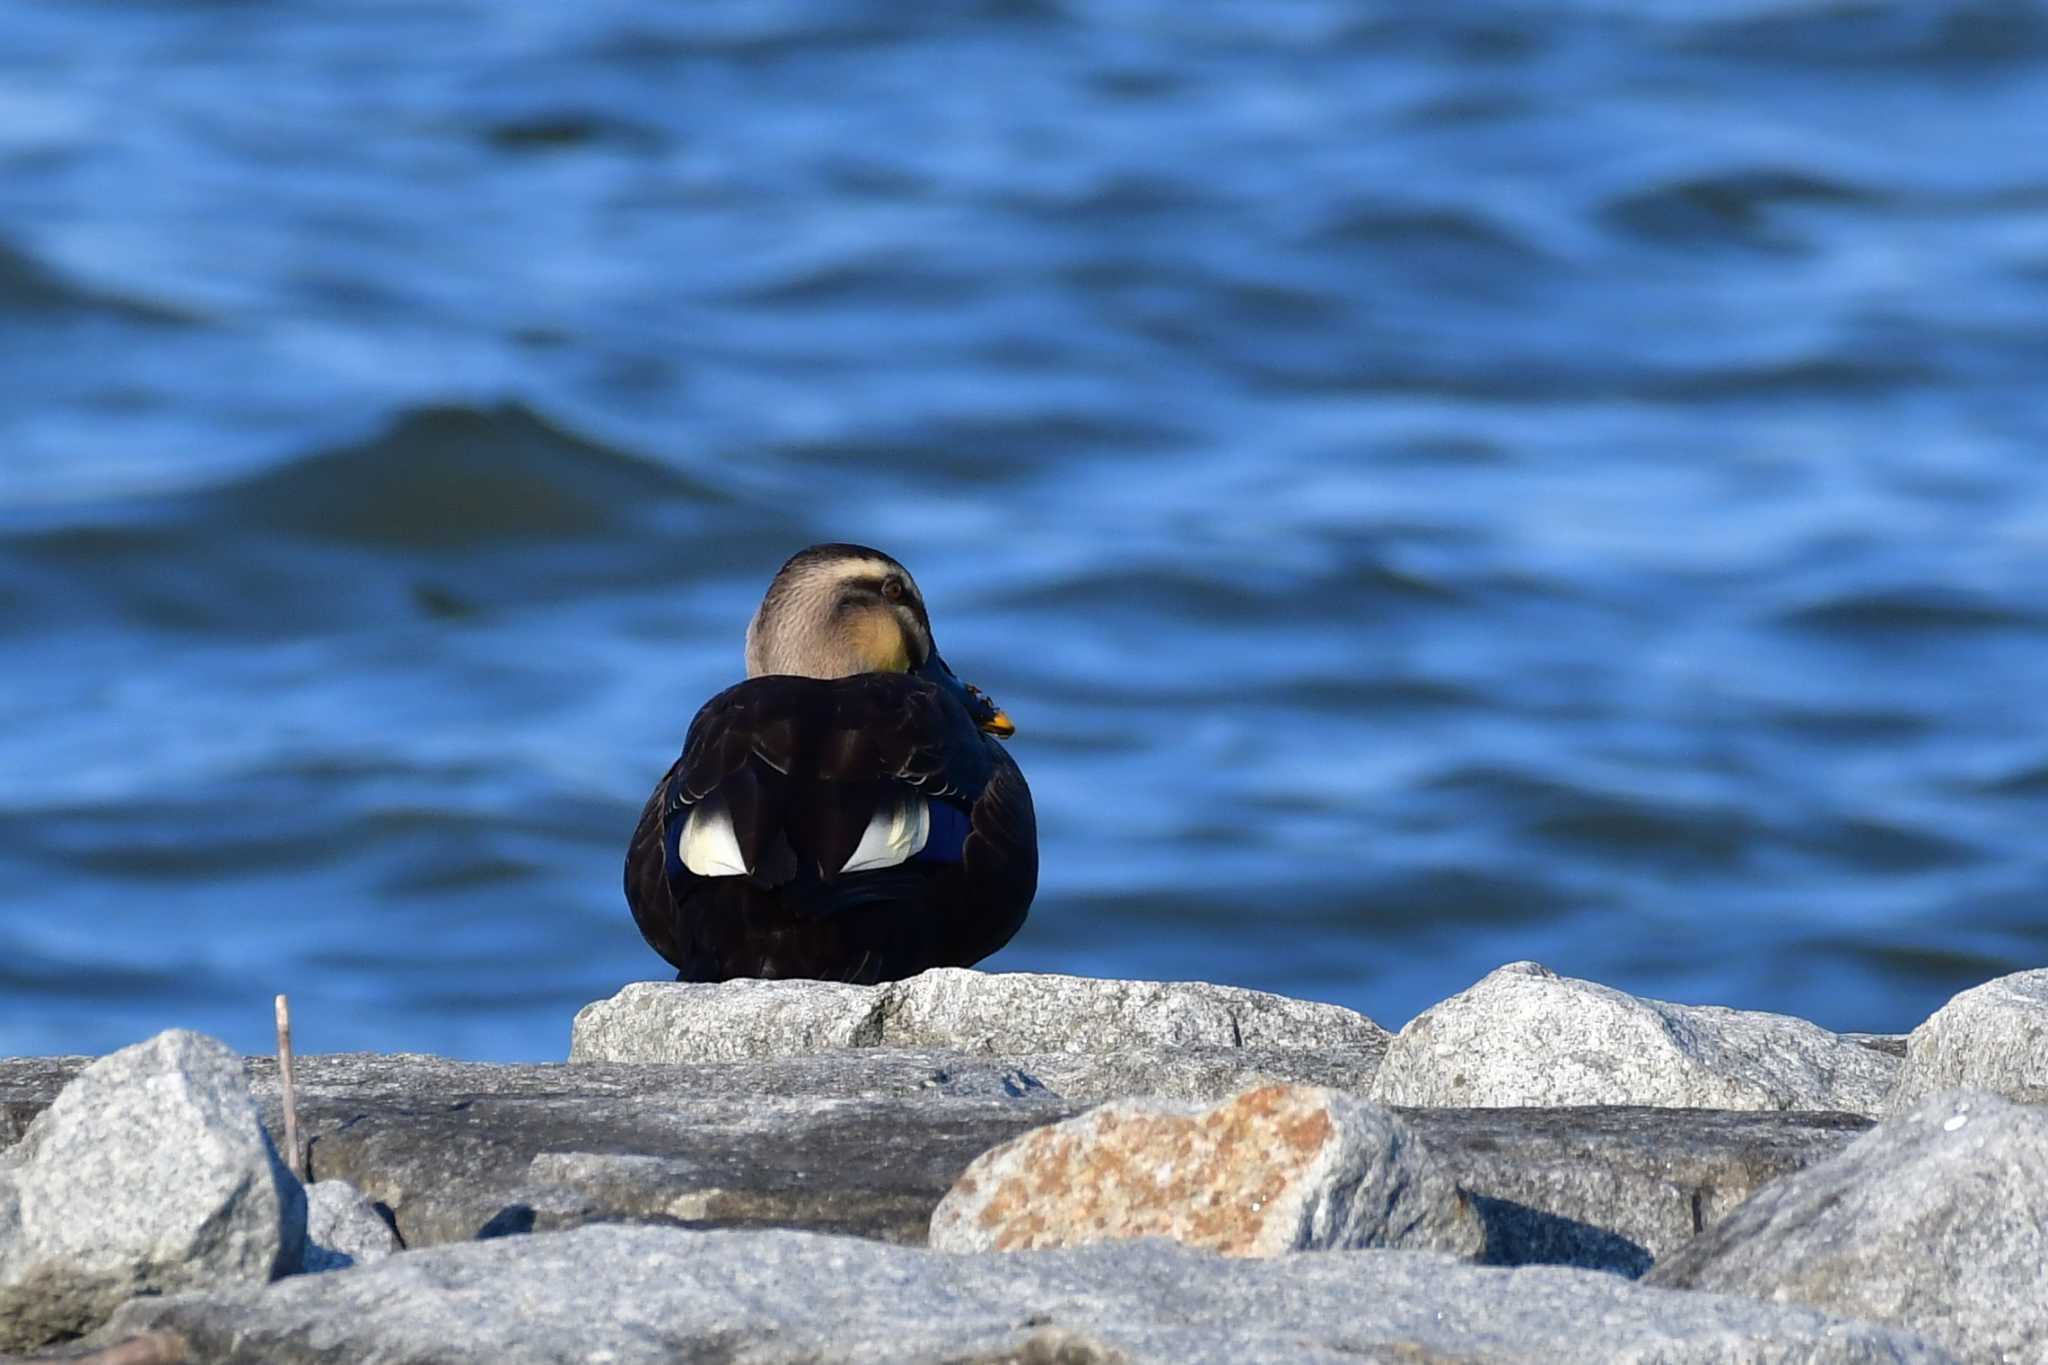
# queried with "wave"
point(1987, 33)
point(1438, 229)
point(1879, 847)
point(568, 129)
point(1814, 374)
point(1914, 609)
point(769, 34)
point(447, 511)
point(1636, 825)
point(1349, 591)
point(449, 476)
point(1731, 207)
point(410, 829)
point(1113, 195)
point(2028, 780)
point(999, 448)
point(32, 290)
point(897, 278)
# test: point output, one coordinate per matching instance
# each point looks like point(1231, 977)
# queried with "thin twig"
point(294, 1156)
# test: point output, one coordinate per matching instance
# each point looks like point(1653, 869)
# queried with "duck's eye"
point(892, 588)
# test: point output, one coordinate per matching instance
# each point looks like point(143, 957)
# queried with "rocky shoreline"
point(1011, 1167)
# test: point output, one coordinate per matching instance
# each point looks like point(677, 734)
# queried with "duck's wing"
point(814, 760)
point(829, 781)
point(1000, 857)
point(649, 892)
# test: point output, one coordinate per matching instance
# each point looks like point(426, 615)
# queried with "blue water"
point(1434, 485)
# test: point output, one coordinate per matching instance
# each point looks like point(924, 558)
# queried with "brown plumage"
point(850, 741)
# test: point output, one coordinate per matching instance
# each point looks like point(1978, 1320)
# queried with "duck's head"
point(836, 610)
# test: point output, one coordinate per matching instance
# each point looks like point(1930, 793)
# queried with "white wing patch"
point(895, 835)
point(708, 847)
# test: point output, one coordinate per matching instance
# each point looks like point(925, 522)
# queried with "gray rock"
point(418, 1079)
point(1936, 1220)
point(1276, 1169)
point(667, 1187)
point(625, 1295)
point(1196, 1075)
point(868, 1140)
point(27, 1085)
point(1612, 1188)
point(1993, 1037)
point(1890, 1044)
point(1527, 1036)
point(953, 1008)
point(874, 1166)
point(1039, 1012)
point(675, 1021)
point(1201, 1075)
point(1606, 1188)
point(149, 1173)
point(343, 1228)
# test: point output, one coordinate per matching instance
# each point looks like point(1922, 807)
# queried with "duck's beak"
point(984, 712)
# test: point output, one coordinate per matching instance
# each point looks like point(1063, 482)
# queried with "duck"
point(848, 812)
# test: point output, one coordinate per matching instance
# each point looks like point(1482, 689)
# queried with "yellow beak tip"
point(1000, 725)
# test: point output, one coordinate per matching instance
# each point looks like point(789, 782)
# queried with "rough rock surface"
point(875, 1166)
point(626, 1295)
point(664, 1021)
point(1273, 1170)
point(1195, 1075)
point(1526, 1036)
point(1993, 1037)
point(343, 1228)
point(27, 1085)
point(956, 1008)
point(868, 1140)
point(1936, 1220)
point(1890, 1044)
point(1199, 1075)
point(1040, 1012)
point(148, 1173)
point(861, 1141)
point(1614, 1188)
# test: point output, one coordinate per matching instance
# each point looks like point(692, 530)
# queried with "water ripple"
point(31, 290)
point(446, 478)
point(1433, 486)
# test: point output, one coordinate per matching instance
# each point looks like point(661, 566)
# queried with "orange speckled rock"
point(1278, 1168)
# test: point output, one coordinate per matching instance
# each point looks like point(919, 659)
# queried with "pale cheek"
point(882, 645)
